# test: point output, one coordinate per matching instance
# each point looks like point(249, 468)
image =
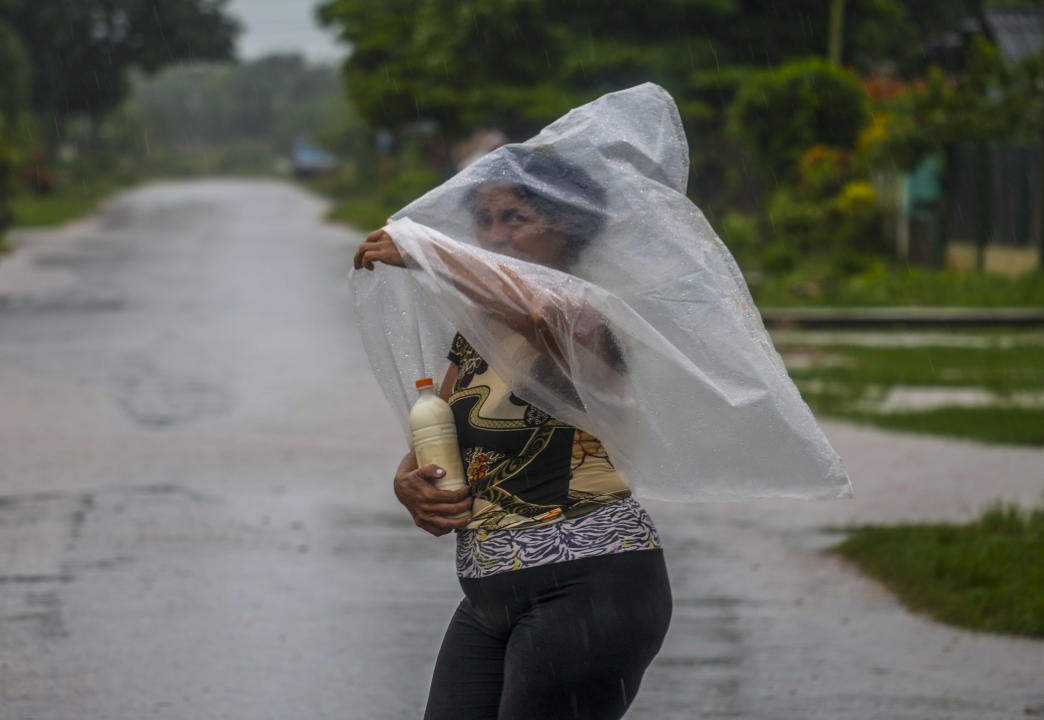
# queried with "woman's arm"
point(415, 486)
point(536, 315)
point(500, 290)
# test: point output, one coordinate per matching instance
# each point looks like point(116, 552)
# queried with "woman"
point(566, 596)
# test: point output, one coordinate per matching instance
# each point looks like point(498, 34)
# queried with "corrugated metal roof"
point(1015, 30)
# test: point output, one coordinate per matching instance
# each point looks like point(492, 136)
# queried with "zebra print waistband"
point(620, 527)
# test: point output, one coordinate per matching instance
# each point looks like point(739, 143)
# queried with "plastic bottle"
point(435, 436)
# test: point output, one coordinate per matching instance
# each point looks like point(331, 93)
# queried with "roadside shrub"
point(784, 111)
point(371, 208)
point(860, 220)
point(741, 235)
point(779, 259)
point(821, 171)
point(844, 232)
point(8, 161)
point(37, 175)
point(801, 225)
point(15, 74)
point(407, 186)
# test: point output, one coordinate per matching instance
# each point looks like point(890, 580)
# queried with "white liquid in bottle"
point(435, 436)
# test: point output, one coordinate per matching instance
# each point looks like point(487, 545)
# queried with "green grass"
point(1004, 426)
point(861, 375)
point(1002, 369)
point(62, 205)
point(81, 186)
point(363, 214)
point(366, 205)
point(985, 575)
point(881, 287)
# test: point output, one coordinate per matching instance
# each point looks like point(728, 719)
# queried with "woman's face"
point(509, 225)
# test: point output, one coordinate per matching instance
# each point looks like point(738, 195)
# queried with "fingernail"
point(440, 472)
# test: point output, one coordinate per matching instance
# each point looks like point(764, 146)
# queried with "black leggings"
point(566, 640)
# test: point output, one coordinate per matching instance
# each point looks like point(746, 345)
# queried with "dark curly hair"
point(545, 180)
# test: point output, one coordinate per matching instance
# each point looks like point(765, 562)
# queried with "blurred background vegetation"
point(834, 142)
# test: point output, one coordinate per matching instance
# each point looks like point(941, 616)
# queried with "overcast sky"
point(283, 25)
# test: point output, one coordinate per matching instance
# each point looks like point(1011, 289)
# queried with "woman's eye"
point(483, 220)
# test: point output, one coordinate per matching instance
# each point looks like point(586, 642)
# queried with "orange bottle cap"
point(425, 382)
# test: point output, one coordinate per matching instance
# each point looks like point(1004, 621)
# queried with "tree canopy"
point(81, 50)
point(272, 99)
point(14, 73)
point(519, 63)
point(14, 100)
point(514, 63)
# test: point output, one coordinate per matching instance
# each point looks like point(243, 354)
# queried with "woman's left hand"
point(378, 247)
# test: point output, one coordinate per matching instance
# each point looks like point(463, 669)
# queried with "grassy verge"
point(367, 205)
point(364, 214)
point(882, 287)
point(1004, 426)
point(984, 575)
point(1002, 369)
point(60, 206)
point(854, 383)
point(66, 204)
point(82, 185)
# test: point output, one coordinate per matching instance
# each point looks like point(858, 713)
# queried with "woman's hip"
point(628, 587)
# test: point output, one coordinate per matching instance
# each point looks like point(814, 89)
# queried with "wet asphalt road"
point(196, 519)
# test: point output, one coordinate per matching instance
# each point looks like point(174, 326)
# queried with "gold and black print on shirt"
point(525, 468)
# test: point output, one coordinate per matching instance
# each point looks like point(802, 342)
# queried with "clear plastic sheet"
point(642, 331)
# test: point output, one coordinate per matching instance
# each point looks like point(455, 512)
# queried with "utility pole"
point(837, 30)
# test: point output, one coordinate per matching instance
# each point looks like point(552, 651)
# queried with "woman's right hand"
point(429, 506)
point(378, 247)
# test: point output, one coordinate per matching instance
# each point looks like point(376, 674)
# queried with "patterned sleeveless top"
point(543, 491)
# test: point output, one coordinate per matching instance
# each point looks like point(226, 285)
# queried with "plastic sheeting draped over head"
point(622, 313)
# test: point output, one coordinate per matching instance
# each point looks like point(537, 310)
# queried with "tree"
point(520, 63)
point(14, 73)
point(14, 98)
point(82, 50)
point(412, 59)
point(273, 100)
point(516, 63)
point(770, 32)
